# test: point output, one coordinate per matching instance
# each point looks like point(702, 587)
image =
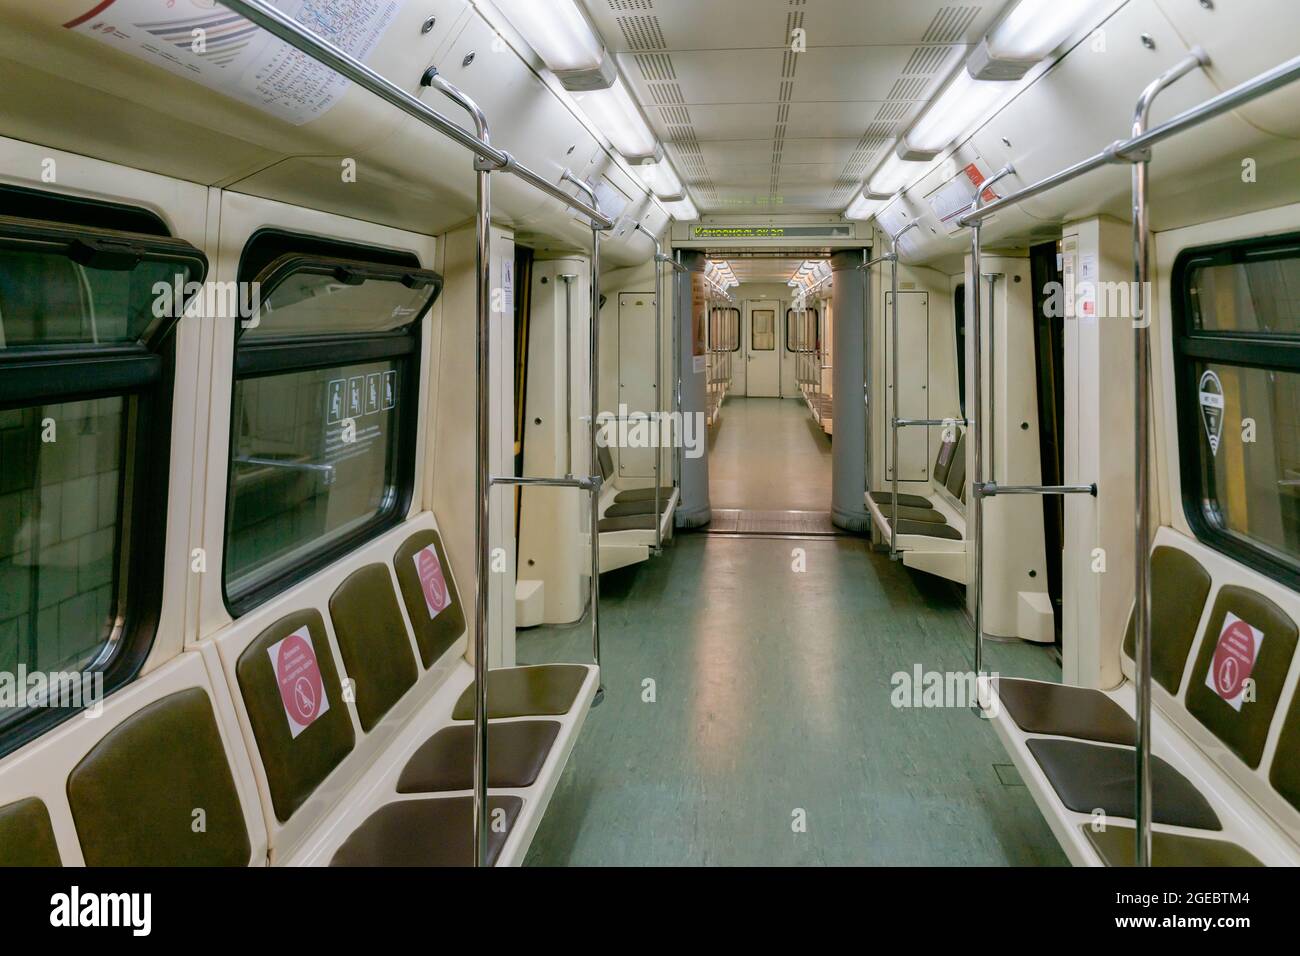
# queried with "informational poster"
point(297, 672)
point(437, 596)
point(206, 41)
point(1234, 660)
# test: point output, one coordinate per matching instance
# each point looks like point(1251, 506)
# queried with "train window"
point(803, 330)
point(322, 451)
point(725, 330)
point(1239, 399)
point(762, 330)
point(85, 386)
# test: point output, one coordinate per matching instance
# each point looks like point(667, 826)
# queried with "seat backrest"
point(955, 480)
point(1179, 587)
point(1247, 636)
point(27, 835)
point(157, 791)
point(943, 460)
point(372, 638)
point(606, 462)
point(294, 701)
point(429, 593)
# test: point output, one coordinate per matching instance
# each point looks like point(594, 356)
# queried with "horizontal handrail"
point(931, 422)
point(292, 32)
point(1121, 151)
point(991, 489)
point(591, 483)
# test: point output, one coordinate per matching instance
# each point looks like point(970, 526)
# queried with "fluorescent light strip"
point(964, 101)
point(557, 31)
point(615, 113)
point(1035, 28)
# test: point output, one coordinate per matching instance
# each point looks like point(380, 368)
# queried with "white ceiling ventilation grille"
point(950, 25)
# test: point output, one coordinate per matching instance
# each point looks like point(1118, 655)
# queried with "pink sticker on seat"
point(437, 596)
point(1234, 659)
point(297, 672)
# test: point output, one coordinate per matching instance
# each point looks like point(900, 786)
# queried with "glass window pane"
point(762, 334)
point(310, 303)
point(1258, 296)
point(48, 299)
point(297, 483)
point(60, 492)
point(1251, 488)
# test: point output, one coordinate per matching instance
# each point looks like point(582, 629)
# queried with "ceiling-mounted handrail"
point(299, 37)
point(1120, 151)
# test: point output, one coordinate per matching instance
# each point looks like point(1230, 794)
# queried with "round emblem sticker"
point(1234, 660)
point(297, 673)
point(432, 582)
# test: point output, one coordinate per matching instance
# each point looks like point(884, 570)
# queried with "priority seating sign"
point(1234, 659)
point(437, 596)
point(297, 672)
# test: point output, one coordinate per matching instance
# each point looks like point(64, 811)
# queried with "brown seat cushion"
point(27, 835)
point(642, 494)
point(1179, 587)
point(294, 766)
point(927, 515)
point(435, 633)
point(1246, 730)
point(1064, 711)
point(627, 523)
point(373, 641)
point(538, 691)
point(1089, 777)
point(1116, 847)
point(911, 501)
point(621, 509)
point(928, 529)
point(433, 832)
point(136, 796)
point(516, 751)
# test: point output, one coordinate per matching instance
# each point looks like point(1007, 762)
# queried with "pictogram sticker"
point(1234, 659)
point(437, 596)
point(1211, 397)
point(297, 672)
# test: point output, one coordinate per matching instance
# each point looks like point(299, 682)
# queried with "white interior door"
point(762, 348)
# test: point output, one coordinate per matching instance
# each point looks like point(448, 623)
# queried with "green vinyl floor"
point(772, 706)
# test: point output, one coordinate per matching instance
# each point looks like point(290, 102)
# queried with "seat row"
point(931, 526)
point(627, 517)
point(332, 726)
point(1226, 727)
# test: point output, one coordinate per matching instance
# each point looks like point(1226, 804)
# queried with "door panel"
point(762, 357)
point(914, 374)
point(636, 386)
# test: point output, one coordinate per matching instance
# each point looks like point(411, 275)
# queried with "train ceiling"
point(754, 127)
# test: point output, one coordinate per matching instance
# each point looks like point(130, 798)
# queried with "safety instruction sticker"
point(437, 596)
point(298, 673)
point(206, 41)
point(1211, 401)
point(1234, 659)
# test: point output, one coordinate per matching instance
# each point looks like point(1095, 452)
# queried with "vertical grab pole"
point(482, 429)
point(594, 463)
point(977, 376)
point(657, 431)
point(893, 420)
point(1141, 451)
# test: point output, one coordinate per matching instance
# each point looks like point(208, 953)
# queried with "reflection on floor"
point(767, 454)
point(771, 702)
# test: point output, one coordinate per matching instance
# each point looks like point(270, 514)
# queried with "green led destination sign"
point(772, 232)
